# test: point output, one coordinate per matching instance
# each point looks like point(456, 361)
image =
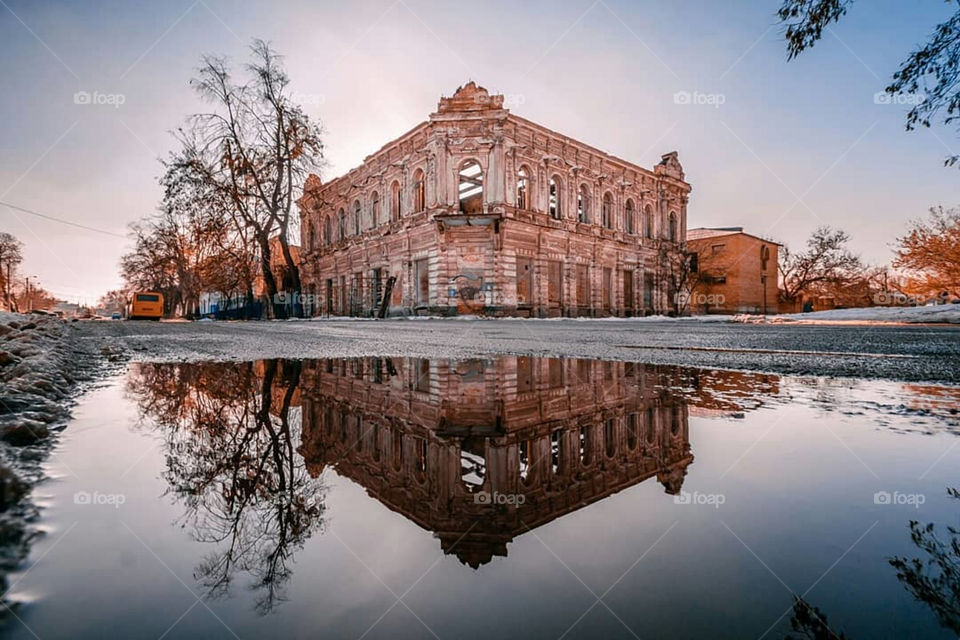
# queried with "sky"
point(774, 146)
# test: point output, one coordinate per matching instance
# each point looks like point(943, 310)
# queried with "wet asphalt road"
point(906, 353)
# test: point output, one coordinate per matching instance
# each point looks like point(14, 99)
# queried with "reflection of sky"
point(798, 483)
point(605, 73)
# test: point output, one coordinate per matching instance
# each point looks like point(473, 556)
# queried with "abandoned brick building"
point(479, 211)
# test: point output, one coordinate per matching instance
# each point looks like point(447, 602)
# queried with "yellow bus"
point(145, 305)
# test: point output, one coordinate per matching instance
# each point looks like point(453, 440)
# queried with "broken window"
point(607, 211)
point(628, 215)
point(395, 201)
point(554, 282)
point(471, 187)
point(583, 286)
point(422, 275)
point(419, 191)
point(327, 232)
point(648, 292)
point(648, 222)
point(607, 288)
point(555, 373)
point(628, 301)
point(632, 437)
point(555, 198)
point(524, 374)
point(356, 217)
point(583, 204)
point(610, 437)
point(375, 209)
point(342, 221)
point(672, 232)
point(522, 189)
point(422, 383)
point(524, 281)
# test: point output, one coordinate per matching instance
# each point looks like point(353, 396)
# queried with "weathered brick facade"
point(479, 211)
point(737, 272)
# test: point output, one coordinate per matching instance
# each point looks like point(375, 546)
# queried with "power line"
point(61, 221)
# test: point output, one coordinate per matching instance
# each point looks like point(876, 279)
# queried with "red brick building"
point(479, 211)
point(736, 271)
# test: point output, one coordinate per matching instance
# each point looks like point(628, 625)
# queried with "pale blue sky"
point(792, 146)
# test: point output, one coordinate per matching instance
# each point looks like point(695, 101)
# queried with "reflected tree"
point(811, 623)
point(230, 441)
point(935, 579)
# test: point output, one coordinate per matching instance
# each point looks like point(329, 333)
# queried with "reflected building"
point(480, 451)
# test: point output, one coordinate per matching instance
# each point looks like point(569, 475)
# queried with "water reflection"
point(231, 461)
point(475, 451)
point(479, 452)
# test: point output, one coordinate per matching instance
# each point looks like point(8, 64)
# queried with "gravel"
point(896, 352)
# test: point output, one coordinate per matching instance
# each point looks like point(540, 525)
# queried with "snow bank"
point(40, 366)
point(945, 313)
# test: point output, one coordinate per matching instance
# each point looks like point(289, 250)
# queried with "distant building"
point(479, 211)
point(734, 271)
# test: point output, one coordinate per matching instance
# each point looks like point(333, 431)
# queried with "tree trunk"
point(269, 282)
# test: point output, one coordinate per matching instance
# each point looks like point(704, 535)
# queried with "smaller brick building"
point(736, 272)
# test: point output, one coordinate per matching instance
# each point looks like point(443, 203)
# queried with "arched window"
point(327, 231)
point(647, 222)
point(555, 198)
point(471, 187)
point(673, 227)
point(523, 189)
point(628, 215)
point(356, 217)
point(395, 200)
point(583, 204)
point(607, 211)
point(419, 191)
point(375, 209)
point(342, 223)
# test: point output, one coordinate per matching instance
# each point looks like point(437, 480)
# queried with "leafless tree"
point(11, 255)
point(827, 261)
point(255, 148)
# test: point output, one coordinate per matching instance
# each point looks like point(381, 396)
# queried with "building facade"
point(736, 272)
point(479, 211)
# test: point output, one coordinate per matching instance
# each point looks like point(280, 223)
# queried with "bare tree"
point(255, 147)
point(11, 255)
point(827, 261)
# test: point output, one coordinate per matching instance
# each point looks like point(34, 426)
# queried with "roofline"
point(520, 120)
point(409, 134)
point(591, 148)
point(729, 233)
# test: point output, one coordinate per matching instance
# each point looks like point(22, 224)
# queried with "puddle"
point(513, 496)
